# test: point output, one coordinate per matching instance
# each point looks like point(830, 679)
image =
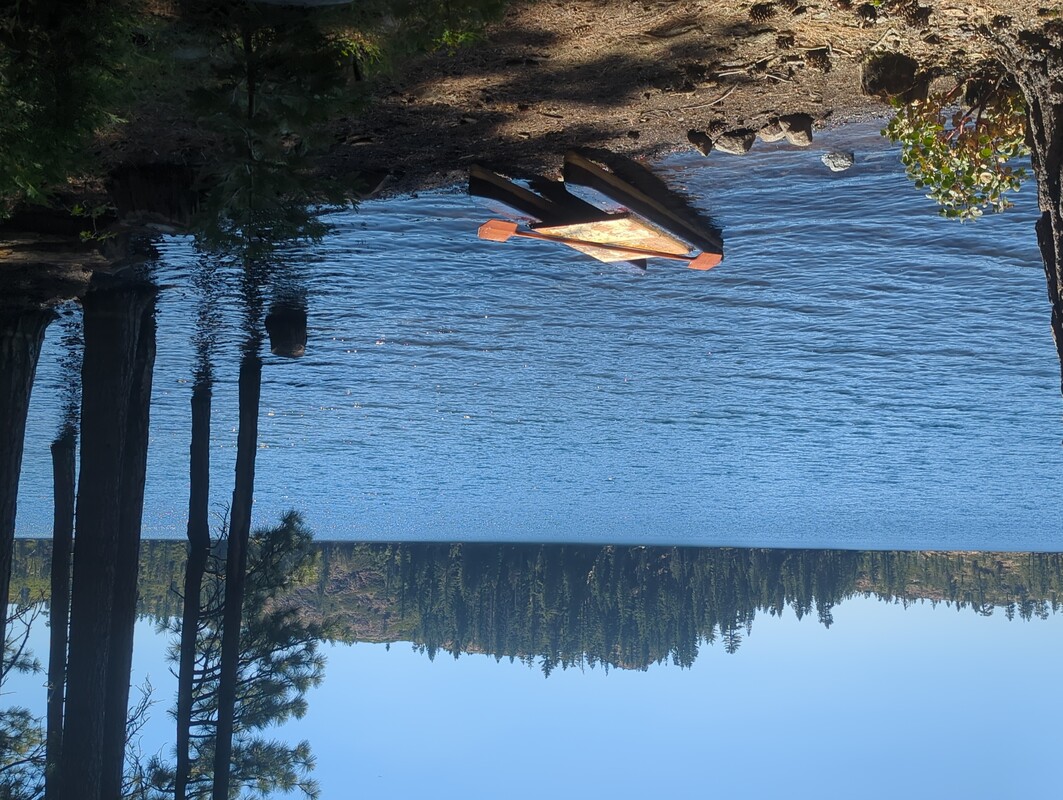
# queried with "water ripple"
point(858, 372)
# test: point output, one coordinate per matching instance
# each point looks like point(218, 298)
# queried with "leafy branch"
point(962, 155)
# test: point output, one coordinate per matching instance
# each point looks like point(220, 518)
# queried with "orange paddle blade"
point(497, 230)
point(705, 261)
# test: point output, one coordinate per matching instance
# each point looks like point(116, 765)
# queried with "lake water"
point(858, 372)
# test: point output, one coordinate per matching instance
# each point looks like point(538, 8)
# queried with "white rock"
point(838, 161)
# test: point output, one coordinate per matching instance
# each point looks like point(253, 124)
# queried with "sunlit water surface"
point(857, 373)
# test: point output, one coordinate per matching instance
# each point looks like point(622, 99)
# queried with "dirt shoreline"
point(637, 77)
point(631, 77)
point(640, 79)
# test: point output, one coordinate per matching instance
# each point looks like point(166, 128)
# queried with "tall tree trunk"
point(198, 552)
point(1035, 58)
point(236, 565)
point(21, 335)
point(124, 610)
point(63, 477)
point(116, 384)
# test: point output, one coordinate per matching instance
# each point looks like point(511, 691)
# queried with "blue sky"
point(921, 702)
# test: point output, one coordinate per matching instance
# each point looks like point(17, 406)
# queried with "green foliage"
point(452, 40)
point(630, 607)
point(261, 768)
point(272, 76)
point(575, 605)
point(17, 658)
point(394, 30)
point(93, 214)
point(450, 24)
point(279, 662)
point(21, 755)
point(275, 77)
point(961, 157)
point(63, 69)
point(22, 737)
point(283, 768)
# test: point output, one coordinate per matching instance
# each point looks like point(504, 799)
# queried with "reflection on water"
point(837, 381)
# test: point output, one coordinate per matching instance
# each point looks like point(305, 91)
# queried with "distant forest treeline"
point(619, 606)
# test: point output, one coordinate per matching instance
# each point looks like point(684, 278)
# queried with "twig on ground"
point(889, 32)
point(719, 99)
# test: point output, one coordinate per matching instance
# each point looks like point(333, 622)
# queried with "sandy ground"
point(636, 77)
point(631, 76)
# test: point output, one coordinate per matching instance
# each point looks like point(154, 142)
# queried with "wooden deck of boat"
point(626, 184)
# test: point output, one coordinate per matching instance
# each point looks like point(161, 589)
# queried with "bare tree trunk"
point(116, 384)
point(1036, 61)
point(21, 335)
point(236, 566)
point(63, 477)
point(198, 552)
point(124, 610)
